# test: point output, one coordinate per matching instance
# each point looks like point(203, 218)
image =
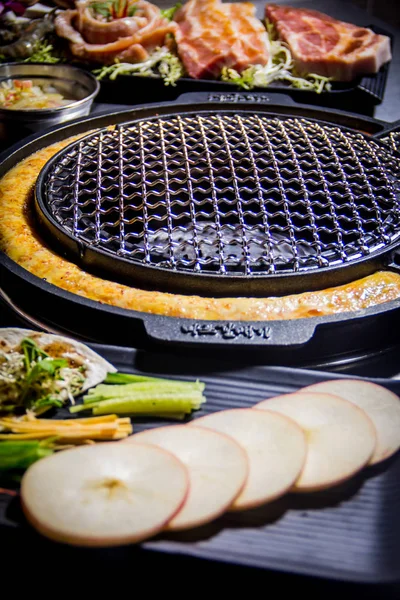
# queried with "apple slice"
point(275, 446)
point(381, 405)
point(341, 438)
point(217, 467)
point(104, 495)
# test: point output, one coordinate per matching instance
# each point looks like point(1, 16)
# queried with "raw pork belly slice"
point(213, 35)
point(320, 44)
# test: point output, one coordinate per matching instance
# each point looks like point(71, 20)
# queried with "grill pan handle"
point(236, 97)
point(393, 261)
point(226, 333)
point(393, 127)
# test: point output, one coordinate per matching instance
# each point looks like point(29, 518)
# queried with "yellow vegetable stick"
point(99, 427)
point(72, 422)
point(65, 423)
point(74, 431)
point(26, 436)
point(70, 436)
point(49, 425)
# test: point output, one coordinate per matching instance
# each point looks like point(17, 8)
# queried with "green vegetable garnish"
point(104, 390)
point(31, 379)
point(18, 456)
point(161, 62)
point(121, 378)
point(43, 369)
point(31, 351)
point(101, 8)
point(45, 53)
point(113, 9)
point(169, 13)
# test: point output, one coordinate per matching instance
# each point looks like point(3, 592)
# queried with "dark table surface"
point(175, 574)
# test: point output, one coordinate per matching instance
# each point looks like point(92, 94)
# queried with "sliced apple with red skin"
point(381, 405)
point(104, 495)
point(275, 446)
point(341, 438)
point(217, 467)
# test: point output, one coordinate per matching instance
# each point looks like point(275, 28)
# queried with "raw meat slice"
point(212, 35)
point(322, 45)
point(129, 39)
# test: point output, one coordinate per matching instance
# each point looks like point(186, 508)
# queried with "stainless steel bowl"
point(75, 84)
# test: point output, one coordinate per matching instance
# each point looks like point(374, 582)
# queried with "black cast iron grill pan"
point(299, 341)
point(224, 202)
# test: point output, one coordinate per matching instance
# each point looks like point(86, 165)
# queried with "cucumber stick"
point(123, 378)
point(141, 403)
point(125, 394)
point(143, 407)
point(141, 389)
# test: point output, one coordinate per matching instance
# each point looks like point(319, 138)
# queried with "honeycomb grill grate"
point(393, 140)
point(227, 193)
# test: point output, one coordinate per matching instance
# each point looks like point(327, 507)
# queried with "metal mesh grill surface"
point(226, 193)
point(393, 140)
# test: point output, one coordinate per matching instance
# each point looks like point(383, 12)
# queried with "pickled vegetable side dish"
point(26, 95)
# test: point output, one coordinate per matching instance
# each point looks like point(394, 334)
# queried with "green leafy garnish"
point(132, 10)
point(31, 379)
point(122, 378)
point(171, 69)
point(113, 9)
point(169, 13)
point(280, 67)
point(32, 352)
point(40, 367)
point(101, 8)
point(45, 53)
point(43, 369)
point(161, 62)
point(47, 402)
point(18, 456)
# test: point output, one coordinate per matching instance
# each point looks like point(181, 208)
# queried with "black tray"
point(359, 96)
point(350, 533)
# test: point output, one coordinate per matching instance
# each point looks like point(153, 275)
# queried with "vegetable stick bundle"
point(71, 431)
point(126, 394)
